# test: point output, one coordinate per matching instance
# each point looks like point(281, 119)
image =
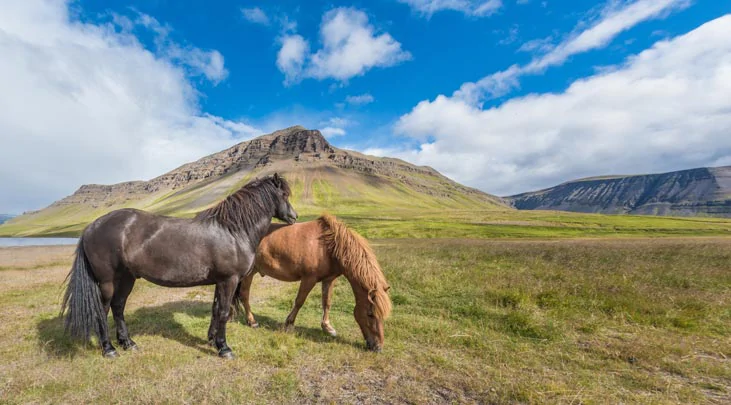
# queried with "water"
point(4, 242)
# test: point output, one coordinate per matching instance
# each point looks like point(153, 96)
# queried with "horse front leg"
point(226, 290)
point(304, 290)
point(327, 292)
point(214, 318)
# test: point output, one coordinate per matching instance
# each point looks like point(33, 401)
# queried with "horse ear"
point(277, 180)
point(388, 287)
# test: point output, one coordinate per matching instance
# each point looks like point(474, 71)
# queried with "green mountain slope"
point(323, 178)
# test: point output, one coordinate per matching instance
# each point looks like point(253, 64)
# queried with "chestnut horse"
point(218, 247)
point(321, 251)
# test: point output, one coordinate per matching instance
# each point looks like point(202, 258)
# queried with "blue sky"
point(503, 95)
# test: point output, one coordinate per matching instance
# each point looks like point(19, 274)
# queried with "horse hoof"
point(329, 330)
point(133, 347)
point(111, 354)
point(227, 354)
point(254, 325)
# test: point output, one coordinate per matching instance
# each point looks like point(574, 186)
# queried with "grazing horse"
point(218, 247)
point(321, 251)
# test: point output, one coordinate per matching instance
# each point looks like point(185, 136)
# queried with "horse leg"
point(327, 291)
point(226, 291)
point(107, 291)
point(214, 318)
point(244, 294)
point(119, 301)
point(304, 290)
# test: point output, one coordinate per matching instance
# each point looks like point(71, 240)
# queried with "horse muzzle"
point(374, 347)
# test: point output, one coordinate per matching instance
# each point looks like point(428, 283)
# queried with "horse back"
point(292, 252)
point(167, 251)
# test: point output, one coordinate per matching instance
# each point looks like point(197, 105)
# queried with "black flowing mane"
point(239, 212)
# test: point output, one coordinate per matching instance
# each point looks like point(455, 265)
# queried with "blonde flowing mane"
point(358, 261)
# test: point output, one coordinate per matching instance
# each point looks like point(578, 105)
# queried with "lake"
point(4, 242)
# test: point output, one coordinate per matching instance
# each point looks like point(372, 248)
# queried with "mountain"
point(323, 178)
point(5, 217)
point(703, 191)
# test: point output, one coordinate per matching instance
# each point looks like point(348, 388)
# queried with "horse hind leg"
point(327, 291)
point(107, 291)
point(119, 301)
point(244, 291)
point(305, 287)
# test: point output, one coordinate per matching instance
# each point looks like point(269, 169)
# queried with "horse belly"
point(183, 269)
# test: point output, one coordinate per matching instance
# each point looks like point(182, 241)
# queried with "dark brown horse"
point(218, 247)
point(321, 251)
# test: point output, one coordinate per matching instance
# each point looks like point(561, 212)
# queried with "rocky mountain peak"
point(292, 143)
point(289, 150)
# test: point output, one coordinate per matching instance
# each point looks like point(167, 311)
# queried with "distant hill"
point(5, 217)
point(703, 191)
point(323, 178)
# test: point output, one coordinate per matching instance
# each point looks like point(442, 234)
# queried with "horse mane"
point(239, 212)
point(358, 261)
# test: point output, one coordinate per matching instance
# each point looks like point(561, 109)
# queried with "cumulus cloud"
point(291, 57)
point(199, 62)
point(614, 19)
point(255, 15)
point(330, 132)
point(664, 109)
point(88, 103)
point(473, 8)
point(335, 126)
point(360, 99)
point(350, 46)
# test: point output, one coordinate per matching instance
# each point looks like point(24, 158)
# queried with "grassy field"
point(603, 320)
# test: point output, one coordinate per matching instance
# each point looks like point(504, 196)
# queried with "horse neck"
point(360, 291)
point(255, 235)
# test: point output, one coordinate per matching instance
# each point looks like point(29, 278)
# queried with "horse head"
point(371, 309)
point(283, 209)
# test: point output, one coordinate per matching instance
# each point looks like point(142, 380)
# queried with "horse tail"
point(357, 260)
point(82, 300)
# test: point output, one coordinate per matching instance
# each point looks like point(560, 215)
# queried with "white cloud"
point(291, 57)
point(664, 109)
point(199, 62)
point(473, 8)
point(335, 126)
point(360, 99)
point(537, 45)
point(350, 47)
point(330, 132)
point(84, 103)
point(615, 18)
point(255, 15)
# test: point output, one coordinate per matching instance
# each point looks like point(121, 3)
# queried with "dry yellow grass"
point(474, 321)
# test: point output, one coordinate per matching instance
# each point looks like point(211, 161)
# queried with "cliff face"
point(704, 191)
